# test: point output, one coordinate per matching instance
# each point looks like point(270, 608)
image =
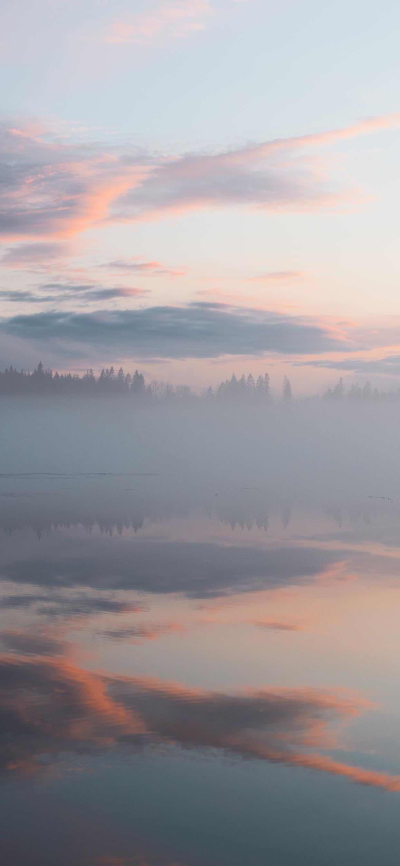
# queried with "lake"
point(197, 674)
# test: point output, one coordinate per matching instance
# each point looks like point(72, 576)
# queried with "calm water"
point(202, 677)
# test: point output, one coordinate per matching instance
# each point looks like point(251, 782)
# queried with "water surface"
point(202, 675)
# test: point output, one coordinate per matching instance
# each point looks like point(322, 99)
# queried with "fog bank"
point(301, 448)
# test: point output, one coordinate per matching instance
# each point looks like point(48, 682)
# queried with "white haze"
point(305, 449)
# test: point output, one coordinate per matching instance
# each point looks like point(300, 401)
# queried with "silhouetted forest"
point(43, 381)
point(109, 382)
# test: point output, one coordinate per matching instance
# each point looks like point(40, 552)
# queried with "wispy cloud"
point(244, 298)
point(143, 268)
point(141, 633)
point(166, 22)
point(276, 625)
point(267, 175)
point(276, 277)
point(71, 292)
point(52, 189)
point(386, 366)
point(58, 606)
point(55, 189)
point(26, 256)
point(20, 297)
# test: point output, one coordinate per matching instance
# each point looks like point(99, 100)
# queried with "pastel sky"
point(198, 188)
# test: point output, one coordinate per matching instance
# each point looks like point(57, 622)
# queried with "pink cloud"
point(168, 21)
point(138, 266)
point(279, 277)
point(55, 189)
point(269, 175)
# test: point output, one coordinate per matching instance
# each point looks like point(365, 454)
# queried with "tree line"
point(43, 381)
point(358, 394)
point(245, 389)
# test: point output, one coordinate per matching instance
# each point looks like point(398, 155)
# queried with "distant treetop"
point(108, 382)
point(242, 390)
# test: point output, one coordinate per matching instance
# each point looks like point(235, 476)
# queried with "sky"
point(199, 188)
